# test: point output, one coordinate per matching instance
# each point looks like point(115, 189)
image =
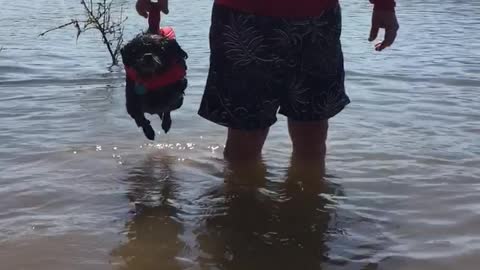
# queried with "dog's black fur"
point(150, 55)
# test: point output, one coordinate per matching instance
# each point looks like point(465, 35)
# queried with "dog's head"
point(147, 54)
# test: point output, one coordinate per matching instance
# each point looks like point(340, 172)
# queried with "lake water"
point(81, 188)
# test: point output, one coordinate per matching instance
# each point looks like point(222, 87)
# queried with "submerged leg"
point(245, 145)
point(309, 143)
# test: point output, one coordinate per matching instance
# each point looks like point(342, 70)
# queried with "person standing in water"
point(285, 56)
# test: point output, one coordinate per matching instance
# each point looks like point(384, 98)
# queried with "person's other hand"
point(143, 7)
point(388, 21)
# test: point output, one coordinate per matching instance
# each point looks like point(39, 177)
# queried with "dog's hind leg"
point(166, 121)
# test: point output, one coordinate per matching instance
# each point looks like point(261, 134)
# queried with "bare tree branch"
point(59, 27)
point(98, 16)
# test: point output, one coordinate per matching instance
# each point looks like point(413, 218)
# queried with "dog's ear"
point(130, 51)
point(174, 48)
point(125, 52)
point(122, 53)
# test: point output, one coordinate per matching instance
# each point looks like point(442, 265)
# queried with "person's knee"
point(243, 145)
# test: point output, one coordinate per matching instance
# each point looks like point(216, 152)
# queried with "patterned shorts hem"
point(250, 126)
point(318, 117)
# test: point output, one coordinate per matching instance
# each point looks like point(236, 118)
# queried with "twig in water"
point(75, 22)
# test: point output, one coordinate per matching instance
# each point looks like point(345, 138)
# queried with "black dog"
point(156, 78)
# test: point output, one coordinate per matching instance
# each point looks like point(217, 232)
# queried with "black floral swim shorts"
point(262, 64)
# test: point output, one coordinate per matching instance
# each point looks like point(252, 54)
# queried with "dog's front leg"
point(134, 109)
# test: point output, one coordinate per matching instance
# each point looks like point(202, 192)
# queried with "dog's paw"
point(149, 132)
point(166, 122)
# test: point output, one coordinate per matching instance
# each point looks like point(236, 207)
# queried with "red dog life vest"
point(176, 72)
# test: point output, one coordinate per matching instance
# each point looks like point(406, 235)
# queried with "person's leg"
point(309, 141)
point(245, 145)
point(239, 93)
point(315, 92)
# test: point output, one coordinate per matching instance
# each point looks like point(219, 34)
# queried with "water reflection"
point(248, 222)
point(267, 225)
point(154, 230)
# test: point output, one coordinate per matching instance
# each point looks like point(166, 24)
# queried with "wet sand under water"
point(80, 188)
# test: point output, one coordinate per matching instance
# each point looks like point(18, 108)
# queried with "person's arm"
point(384, 17)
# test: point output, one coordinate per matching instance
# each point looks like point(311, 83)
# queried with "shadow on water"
point(248, 222)
point(154, 230)
point(265, 224)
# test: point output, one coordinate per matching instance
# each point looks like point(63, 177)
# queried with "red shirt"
point(293, 8)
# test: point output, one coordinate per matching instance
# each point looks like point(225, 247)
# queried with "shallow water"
point(81, 188)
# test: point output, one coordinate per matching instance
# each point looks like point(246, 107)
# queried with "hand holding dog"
point(143, 7)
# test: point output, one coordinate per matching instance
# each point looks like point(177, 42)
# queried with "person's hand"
point(143, 7)
point(388, 21)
